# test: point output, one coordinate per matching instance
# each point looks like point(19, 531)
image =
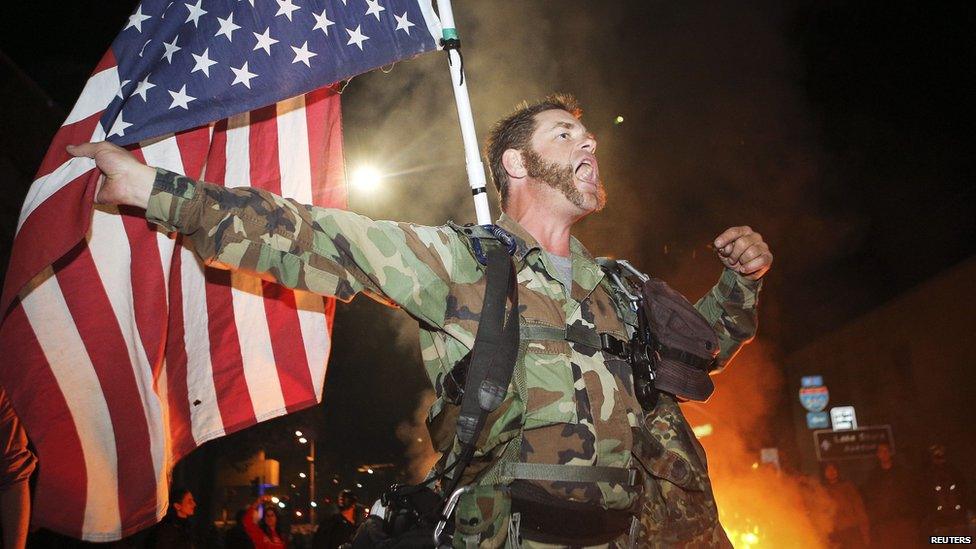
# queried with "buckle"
point(615, 346)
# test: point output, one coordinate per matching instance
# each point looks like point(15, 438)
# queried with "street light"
point(366, 178)
point(311, 473)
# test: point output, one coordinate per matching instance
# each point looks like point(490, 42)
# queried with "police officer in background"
point(570, 457)
point(338, 528)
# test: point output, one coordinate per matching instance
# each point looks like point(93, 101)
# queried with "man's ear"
point(514, 164)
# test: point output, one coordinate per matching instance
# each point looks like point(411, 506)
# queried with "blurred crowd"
point(897, 506)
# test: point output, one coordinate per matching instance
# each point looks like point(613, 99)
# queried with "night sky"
point(836, 129)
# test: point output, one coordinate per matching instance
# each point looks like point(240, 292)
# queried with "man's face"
point(831, 473)
point(561, 155)
point(186, 506)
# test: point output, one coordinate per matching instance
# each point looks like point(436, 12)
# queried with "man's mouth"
point(587, 171)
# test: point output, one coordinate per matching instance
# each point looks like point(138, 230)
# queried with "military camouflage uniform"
point(567, 404)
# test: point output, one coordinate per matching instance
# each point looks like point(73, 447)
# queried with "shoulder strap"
point(493, 356)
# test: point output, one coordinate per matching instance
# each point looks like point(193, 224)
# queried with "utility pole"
point(311, 484)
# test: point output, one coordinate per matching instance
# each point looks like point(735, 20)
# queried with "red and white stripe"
point(121, 352)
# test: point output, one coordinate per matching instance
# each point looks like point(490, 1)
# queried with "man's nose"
point(588, 143)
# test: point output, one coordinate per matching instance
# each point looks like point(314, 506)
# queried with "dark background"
point(837, 129)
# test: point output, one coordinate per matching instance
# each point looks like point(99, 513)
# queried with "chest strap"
point(570, 473)
point(578, 334)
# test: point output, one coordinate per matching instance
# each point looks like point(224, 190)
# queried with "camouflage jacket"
point(568, 403)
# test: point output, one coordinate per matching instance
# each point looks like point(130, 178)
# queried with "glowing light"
point(366, 178)
point(275, 499)
point(369, 471)
point(301, 475)
point(298, 513)
point(298, 433)
point(748, 538)
point(313, 504)
point(703, 430)
point(303, 440)
point(755, 465)
point(281, 504)
point(359, 485)
point(619, 120)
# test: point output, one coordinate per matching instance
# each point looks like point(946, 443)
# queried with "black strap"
point(493, 356)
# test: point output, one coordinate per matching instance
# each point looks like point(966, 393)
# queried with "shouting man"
point(571, 406)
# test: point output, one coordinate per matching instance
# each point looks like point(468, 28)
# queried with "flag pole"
point(472, 157)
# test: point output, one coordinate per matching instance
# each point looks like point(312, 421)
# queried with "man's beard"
point(562, 179)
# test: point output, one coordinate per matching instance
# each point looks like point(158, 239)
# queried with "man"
point(17, 463)
point(888, 494)
point(175, 530)
point(338, 528)
point(850, 520)
point(570, 405)
point(947, 499)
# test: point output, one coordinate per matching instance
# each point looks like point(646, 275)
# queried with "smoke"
point(413, 434)
point(759, 504)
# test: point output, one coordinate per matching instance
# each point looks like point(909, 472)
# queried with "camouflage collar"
point(586, 273)
point(524, 241)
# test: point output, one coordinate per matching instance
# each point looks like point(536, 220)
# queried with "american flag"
point(122, 353)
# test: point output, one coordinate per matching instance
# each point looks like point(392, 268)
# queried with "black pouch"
point(411, 513)
point(685, 345)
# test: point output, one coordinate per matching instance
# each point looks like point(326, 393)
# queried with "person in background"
point(947, 497)
point(338, 528)
point(175, 530)
point(851, 529)
point(237, 537)
point(268, 532)
point(886, 494)
point(17, 463)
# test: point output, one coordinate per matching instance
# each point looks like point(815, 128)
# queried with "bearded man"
point(570, 408)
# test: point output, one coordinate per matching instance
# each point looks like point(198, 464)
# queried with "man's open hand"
point(743, 250)
point(127, 181)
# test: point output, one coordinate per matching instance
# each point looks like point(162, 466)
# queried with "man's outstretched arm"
point(731, 305)
point(326, 251)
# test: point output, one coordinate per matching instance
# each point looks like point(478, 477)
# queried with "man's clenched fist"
point(743, 250)
point(127, 181)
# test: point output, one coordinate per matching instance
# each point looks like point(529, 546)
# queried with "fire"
point(759, 504)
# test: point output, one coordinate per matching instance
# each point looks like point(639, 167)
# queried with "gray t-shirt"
point(564, 270)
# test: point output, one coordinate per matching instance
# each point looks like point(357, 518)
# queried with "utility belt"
point(561, 525)
point(545, 518)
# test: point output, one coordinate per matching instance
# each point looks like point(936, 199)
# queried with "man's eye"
point(564, 135)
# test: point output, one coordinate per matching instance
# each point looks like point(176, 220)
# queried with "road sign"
point(843, 418)
point(811, 381)
point(818, 420)
point(852, 444)
point(814, 399)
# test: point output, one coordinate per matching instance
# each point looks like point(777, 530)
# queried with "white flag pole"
point(472, 156)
